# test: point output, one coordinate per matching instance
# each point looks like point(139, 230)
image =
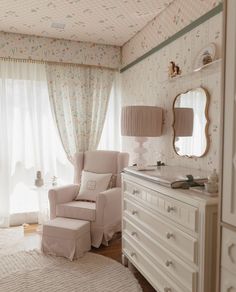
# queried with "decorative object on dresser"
point(191, 122)
point(141, 122)
point(169, 235)
point(211, 185)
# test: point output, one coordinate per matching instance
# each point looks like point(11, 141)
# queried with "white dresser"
point(169, 235)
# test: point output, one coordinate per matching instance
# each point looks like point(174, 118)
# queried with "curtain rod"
point(55, 63)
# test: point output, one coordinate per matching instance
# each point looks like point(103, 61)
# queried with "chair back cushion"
point(100, 161)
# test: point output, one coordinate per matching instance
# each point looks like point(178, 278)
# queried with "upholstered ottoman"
point(66, 237)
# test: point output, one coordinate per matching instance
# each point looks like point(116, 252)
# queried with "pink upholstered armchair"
point(105, 213)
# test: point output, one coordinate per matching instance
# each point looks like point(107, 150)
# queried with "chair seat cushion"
point(77, 210)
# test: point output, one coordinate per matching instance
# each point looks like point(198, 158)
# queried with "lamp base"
point(140, 150)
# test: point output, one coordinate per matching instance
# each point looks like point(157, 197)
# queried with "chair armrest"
point(61, 195)
point(108, 206)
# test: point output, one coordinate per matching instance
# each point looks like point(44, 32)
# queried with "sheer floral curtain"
point(29, 140)
point(111, 134)
point(79, 97)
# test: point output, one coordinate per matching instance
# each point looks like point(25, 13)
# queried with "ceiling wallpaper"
point(111, 22)
point(178, 15)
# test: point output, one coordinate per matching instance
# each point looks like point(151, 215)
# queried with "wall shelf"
point(213, 63)
point(208, 67)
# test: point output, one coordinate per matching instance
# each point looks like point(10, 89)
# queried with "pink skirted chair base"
point(69, 238)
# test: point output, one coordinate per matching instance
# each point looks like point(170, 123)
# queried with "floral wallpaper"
point(179, 14)
point(147, 83)
point(58, 50)
point(111, 22)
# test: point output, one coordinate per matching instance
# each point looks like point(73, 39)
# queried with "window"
point(29, 138)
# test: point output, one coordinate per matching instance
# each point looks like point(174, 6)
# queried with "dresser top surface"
point(166, 175)
point(155, 181)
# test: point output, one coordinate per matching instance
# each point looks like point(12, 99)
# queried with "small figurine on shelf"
point(173, 70)
point(207, 58)
point(177, 70)
point(38, 181)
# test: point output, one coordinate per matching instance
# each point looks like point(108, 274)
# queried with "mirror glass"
point(190, 124)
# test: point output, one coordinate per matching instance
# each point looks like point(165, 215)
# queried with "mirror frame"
point(206, 126)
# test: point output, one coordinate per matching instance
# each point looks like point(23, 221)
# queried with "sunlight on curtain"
point(111, 134)
point(79, 97)
point(29, 139)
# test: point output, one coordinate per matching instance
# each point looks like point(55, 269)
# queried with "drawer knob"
point(169, 235)
point(166, 289)
point(134, 212)
point(134, 233)
point(133, 254)
point(168, 263)
point(169, 209)
point(135, 192)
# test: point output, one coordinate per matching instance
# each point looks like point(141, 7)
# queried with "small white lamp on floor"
point(141, 122)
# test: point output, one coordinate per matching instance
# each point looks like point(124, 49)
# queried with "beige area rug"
point(25, 270)
point(31, 271)
point(13, 240)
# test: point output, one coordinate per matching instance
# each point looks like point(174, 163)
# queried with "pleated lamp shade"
point(141, 121)
point(183, 122)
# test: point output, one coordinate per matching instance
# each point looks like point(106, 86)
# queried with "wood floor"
point(112, 251)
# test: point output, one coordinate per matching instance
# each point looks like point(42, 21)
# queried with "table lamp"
point(141, 122)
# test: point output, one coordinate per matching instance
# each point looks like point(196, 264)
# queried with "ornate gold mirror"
point(190, 124)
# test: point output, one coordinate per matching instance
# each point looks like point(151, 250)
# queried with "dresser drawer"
point(175, 210)
point(228, 253)
point(178, 241)
point(157, 254)
point(160, 281)
point(228, 281)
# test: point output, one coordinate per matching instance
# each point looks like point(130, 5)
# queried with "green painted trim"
point(177, 35)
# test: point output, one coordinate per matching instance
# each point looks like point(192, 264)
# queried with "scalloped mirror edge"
point(206, 128)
